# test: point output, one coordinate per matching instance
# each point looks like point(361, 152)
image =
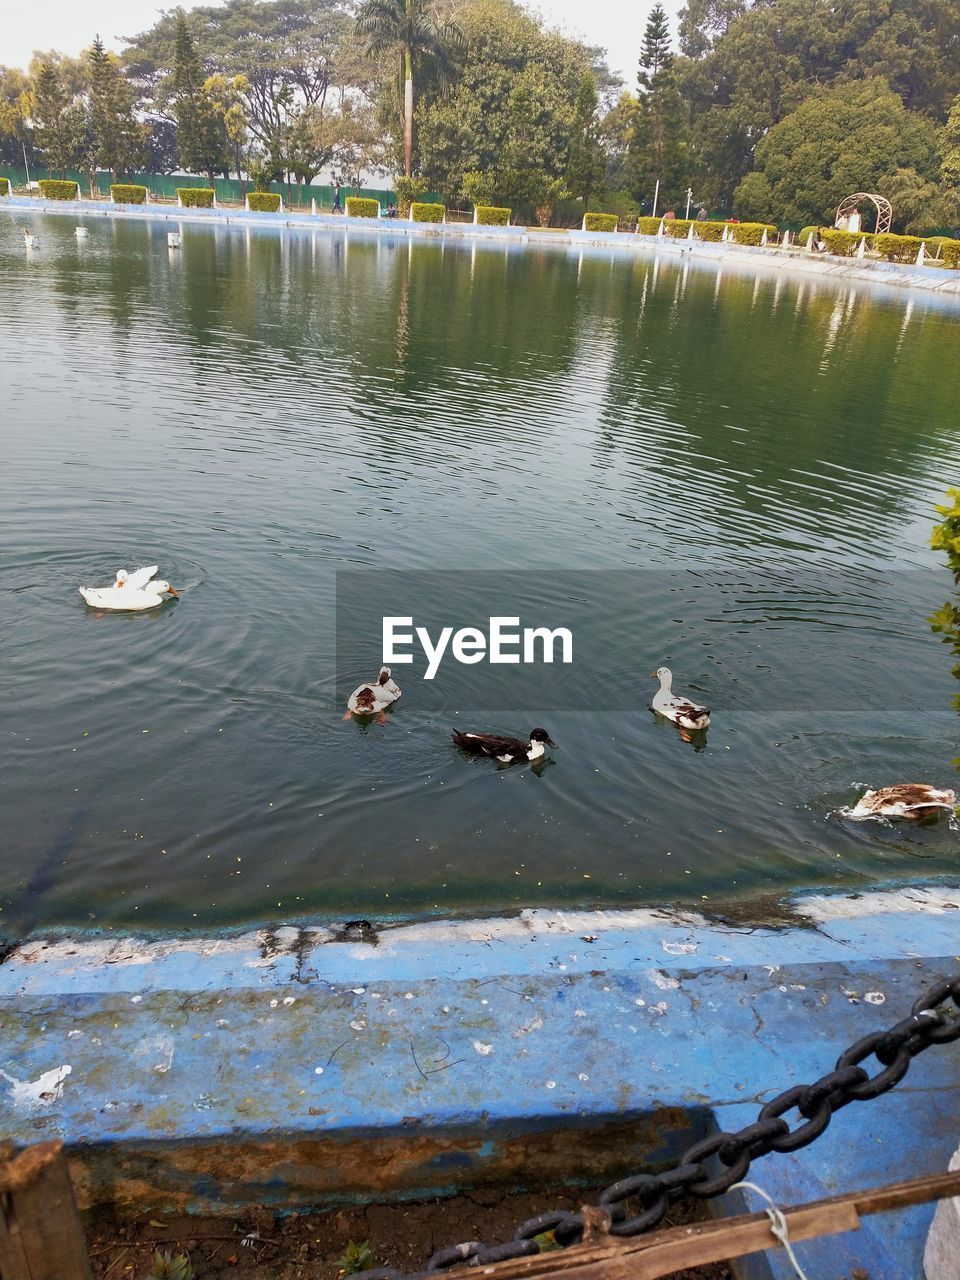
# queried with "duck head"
point(664, 675)
point(164, 587)
point(541, 735)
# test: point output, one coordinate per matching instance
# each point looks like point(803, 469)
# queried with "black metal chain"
point(931, 1021)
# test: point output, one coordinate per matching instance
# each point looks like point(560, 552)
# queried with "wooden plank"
point(41, 1237)
point(660, 1253)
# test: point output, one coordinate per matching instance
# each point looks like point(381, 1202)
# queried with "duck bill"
point(171, 592)
point(551, 743)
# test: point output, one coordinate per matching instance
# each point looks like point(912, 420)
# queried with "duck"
point(682, 711)
point(124, 598)
point(911, 800)
point(81, 233)
point(30, 240)
point(372, 699)
point(506, 750)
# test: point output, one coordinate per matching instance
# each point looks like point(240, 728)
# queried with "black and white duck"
point(505, 750)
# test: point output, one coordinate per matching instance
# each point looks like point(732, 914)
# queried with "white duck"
point(905, 800)
point(682, 711)
point(133, 593)
point(372, 699)
point(30, 240)
point(81, 233)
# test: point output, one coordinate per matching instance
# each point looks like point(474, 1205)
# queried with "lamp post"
point(689, 198)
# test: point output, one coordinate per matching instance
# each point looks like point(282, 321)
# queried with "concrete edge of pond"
point(929, 279)
point(307, 1066)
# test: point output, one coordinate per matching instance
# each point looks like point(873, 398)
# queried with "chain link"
point(931, 1021)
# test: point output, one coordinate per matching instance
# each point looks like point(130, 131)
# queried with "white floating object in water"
point(30, 240)
point(136, 592)
point(173, 240)
point(81, 233)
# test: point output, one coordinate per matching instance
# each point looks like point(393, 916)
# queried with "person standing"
point(337, 206)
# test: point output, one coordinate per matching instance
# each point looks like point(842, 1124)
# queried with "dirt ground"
point(308, 1246)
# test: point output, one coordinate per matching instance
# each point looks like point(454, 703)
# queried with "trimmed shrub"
point(196, 197)
point(127, 193)
point(898, 248)
point(4, 186)
point(409, 191)
point(752, 232)
point(362, 207)
point(841, 243)
point(950, 253)
point(677, 228)
point(712, 231)
point(427, 212)
point(600, 222)
point(263, 202)
point(58, 189)
point(647, 226)
point(489, 215)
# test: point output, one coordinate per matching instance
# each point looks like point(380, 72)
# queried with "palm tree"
point(410, 29)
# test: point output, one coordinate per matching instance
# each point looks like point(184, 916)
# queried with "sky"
point(69, 25)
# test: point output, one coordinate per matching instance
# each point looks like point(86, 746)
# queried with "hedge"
point(263, 201)
point(648, 226)
point(362, 207)
point(841, 243)
point(488, 215)
point(950, 253)
point(600, 222)
point(127, 193)
point(195, 197)
point(58, 189)
point(4, 186)
point(712, 231)
point(752, 232)
point(677, 228)
point(899, 248)
point(427, 212)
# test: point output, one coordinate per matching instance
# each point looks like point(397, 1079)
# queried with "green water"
point(265, 408)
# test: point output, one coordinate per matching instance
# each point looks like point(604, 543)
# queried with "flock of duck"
point(134, 592)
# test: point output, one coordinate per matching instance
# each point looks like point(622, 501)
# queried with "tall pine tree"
point(201, 134)
point(658, 150)
point(57, 119)
point(119, 140)
point(587, 162)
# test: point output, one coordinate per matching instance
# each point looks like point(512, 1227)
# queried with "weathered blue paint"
point(292, 1067)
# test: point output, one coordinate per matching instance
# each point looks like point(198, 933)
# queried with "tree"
point(658, 148)
point(510, 116)
point(424, 44)
point(118, 139)
point(201, 135)
point(920, 205)
point(58, 118)
point(840, 140)
point(950, 146)
point(655, 55)
point(16, 134)
point(587, 162)
point(229, 98)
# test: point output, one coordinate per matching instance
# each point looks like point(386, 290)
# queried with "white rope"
point(778, 1225)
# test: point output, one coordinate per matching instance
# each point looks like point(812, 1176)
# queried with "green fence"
point(229, 190)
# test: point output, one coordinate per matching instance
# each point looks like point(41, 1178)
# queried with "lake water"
point(758, 458)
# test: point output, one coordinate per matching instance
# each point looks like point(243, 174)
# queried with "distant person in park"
point(669, 215)
point(392, 210)
point(702, 213)
point(337, 206)
point(820, 243)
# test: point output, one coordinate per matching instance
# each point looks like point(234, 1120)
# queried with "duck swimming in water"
point(124, 599)
point(506, 750)
point(682, 711)
point(373, 699)
point(910, 800)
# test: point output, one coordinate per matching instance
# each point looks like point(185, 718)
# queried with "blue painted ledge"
point(294, 1066)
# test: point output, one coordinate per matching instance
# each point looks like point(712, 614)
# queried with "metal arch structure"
point(883, 207)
